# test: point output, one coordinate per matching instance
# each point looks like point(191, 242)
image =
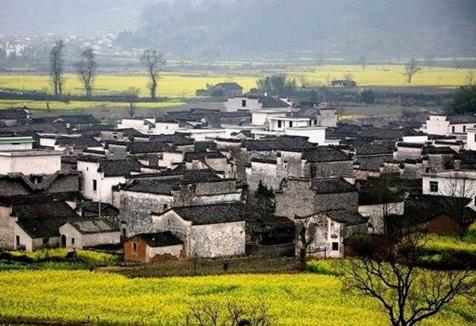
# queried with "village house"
point(208, 231)
point(89, 233)
point(27, 161)
point(13, 117)
point(145, 246)
point(445, 125)
point(305, 197)
point(36, 224)
point(328, 232)
point(318, 162)
point(452, 183)
point(140, 196)
point(100, 175)
point(77, 122)
point(253, 103)
point(10, 142)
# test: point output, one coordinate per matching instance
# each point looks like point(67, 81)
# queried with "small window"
point(72, 241)
point(290, 124)
point(280, 123)
point(95, 185)
point(134, 246)
point(335, 246)
point(243, 103)
point(45, 241)
point(166, 207)
point(18, 240)
point(453, 129)
point(475, 137)
point(433, 186)
point(464, 128)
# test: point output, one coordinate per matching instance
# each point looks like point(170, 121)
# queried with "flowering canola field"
point(294, 299)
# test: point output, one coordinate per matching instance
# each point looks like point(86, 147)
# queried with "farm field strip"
point(293, 299)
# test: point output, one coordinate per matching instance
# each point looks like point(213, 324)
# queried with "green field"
point(293, 299)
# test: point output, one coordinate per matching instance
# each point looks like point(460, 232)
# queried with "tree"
point(207, 313)
point(87, 70)
point(368, 96)
point(406, 293)
point(153, 62)
point(264, 201)
point(278, 84)
point(306, 232)
point(411, 68)
point(57, 67)
point(429, 61)
point(464, 100)
point(458, 190)
point(132, 93)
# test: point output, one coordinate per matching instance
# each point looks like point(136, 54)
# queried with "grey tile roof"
point(191, 156)
point(344, 216)
point(13, 114)
point(461, 119)
point(94, 225)
point(228, 86)
point(41, 220)
point(79, 119)
point(325, 154)
point(331, 186)
point(212, 214)
point(82, 141)
point(284, 143)
point(139, 147)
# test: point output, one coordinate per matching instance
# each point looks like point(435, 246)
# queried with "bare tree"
point(363, 62)
point(207, 313)
point(411, 68)
point(132, 93)
point(57, 67)
point(407, 294)
point(153, 62)
point(306, 232)
point(86, 69)
point(458, 190)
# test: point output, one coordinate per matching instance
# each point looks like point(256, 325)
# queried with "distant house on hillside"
point(343, 83)
point(222, 90)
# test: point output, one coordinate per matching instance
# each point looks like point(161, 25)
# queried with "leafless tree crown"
point(86, 69)
point(153, 62)
point(57, 67)
point(411, 69)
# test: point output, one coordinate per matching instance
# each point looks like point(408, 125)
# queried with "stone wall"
point(217, 240)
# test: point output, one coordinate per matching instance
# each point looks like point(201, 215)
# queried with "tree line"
point(86, 68)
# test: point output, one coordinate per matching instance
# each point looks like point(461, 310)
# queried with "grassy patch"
point(84, 256)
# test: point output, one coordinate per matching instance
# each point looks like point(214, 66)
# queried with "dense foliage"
point(464, 100)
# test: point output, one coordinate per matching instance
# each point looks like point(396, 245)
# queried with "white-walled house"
point(165, 127)
point(444, 125)
point(89, 233)
point(329, 230)
point(208, 231)
point(454, 183)
point(12, 142)
point(100, 175)
point(262, 118)
point(30, 161)
point(471, 139)
point(253, 103)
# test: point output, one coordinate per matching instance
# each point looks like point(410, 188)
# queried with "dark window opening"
point(279, 124)
point(72, 241)
point(18, 240)
point(290, 124)
point(335, 246)
point(45, 241)
point(166, 206)
point(433, 186)
point(95, 185)
point(464, 128)
point(134, 246)
point(243, 103)
point(453, 129)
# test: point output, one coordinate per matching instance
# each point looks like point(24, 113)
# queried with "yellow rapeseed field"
point(294, 299)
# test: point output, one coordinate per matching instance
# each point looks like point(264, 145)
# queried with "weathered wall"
point(7, 228)
point(217, 240)
point(376, 214)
